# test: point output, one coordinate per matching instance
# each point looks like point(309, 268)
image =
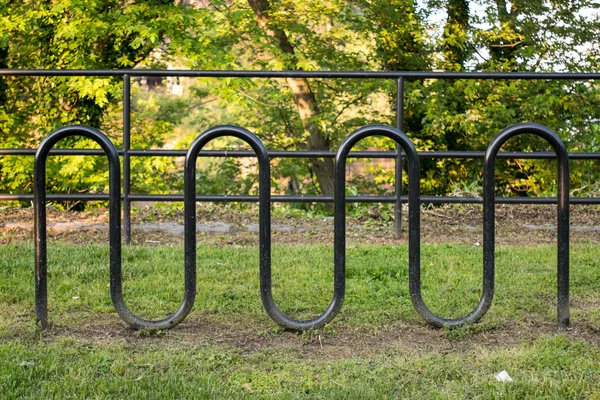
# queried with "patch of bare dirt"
point(457, 224)
point(413, 338)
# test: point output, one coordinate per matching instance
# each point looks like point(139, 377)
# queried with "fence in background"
point(399, 77)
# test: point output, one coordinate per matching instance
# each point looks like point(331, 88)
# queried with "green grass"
point(551, 367)
point(454, 364)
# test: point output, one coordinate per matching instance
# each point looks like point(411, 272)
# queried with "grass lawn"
point(228, 348)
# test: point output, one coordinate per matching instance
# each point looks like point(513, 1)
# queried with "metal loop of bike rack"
point(414, 190)
point(487, 295)
point(116, 284)
point(265, 225)
point(562, 214)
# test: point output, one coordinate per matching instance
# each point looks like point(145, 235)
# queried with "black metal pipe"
point(398, 163)
point(264, 204)
point(562, 212)
point(487, 295)
point(218, 198)
point(264, 230)
point(516, 155)
point(116, 287)
point(265, 199)
point(414, 232)
point(39, 202)
point(126, 158)
point(307, 74)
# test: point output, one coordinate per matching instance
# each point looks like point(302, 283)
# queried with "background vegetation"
point(376, 35)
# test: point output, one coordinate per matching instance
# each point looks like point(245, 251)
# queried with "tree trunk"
point(304, 98)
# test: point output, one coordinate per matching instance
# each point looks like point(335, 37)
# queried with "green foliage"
point(72, 34)
point(519, 37)
point(335, 35)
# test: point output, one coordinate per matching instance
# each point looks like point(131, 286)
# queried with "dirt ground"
point(342, 342)
point(456, 224)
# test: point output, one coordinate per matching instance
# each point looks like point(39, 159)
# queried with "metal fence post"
point(398, 166)
point(126, 159)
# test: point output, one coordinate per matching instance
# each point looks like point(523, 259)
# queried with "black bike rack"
point(264, 200)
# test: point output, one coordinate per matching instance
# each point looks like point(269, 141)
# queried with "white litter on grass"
point(476, 243)
point(27, 363)
point(503, 377)
point(75, 297)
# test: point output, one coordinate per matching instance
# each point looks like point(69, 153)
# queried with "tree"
point(376, 35)
point(517, 36)
point(75, 34)
point(308, 35)
point(455, 40)
point(304, 98)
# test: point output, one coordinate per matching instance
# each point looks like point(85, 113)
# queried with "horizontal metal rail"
point(305, 74)
point(223, 198)
point(516, 155)
point(304, 198)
